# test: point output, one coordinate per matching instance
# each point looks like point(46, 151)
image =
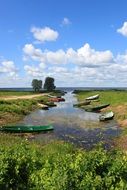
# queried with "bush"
point(60, 166)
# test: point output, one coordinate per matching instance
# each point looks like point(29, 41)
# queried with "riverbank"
point(116, 99)
point(15, 105)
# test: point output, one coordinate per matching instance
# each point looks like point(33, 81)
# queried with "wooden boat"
point(43, 106)
point(93, 97)
point(106, 116)
point(50, 96)
point(56, 99)
point(61, 99)
point(26, 129)
point(90, 108)
point(50, 104)
point(87, 102)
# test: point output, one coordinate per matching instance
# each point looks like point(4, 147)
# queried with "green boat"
point(87, 102)
point(91, 108)
point(106, 116)
point(26, 129)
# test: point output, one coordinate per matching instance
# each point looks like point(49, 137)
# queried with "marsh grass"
point(112, 97)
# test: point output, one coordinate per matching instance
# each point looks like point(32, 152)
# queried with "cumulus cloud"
point(123, 29)
point(65, 21)
point(44, 34)
point(8, 68)
point(78, 67)
point(84, 56)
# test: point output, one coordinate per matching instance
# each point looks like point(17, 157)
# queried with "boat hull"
point(106, 116)
point(96, 108)
point(93, 97)
point(26, 129)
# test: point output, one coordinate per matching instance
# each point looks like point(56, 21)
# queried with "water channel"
point(73, 125)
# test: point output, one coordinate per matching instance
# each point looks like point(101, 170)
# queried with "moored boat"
point(106, 116)
point(87, 102)
point(91, 108)
point(56, 99)
point(26, 129)
point(93, 97)
point(43, 106)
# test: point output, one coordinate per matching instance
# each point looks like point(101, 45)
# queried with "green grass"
point(13, 110)
point(112, 97)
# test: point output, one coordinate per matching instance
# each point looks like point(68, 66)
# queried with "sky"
point(80, 43)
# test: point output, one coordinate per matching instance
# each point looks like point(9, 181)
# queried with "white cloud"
point(44, 34)
point(58, 57)
point(84, 56)
point(81, 67)
point(8, 68)
point(123, 29)
point(66, 21)
point(33, 71)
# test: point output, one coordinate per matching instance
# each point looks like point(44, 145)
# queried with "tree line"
point(48, 84)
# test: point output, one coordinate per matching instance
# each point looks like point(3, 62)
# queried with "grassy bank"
point(59, 166)
point(13, 110)
point(117, 100)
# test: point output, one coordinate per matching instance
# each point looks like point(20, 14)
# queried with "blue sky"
point(79, 43)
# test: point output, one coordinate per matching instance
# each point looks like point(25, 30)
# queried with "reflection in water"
point(73, 124)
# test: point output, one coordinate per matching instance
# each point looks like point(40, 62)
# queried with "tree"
point(49, 84)
point(37, 85)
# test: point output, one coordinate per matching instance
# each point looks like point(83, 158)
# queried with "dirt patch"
point(120, 112)
point(22, 97)
point(121, 143)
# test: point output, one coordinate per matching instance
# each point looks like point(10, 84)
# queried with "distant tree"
point(37, 85)
point(49, 84)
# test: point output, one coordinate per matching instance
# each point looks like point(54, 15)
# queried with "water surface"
point(73, 125)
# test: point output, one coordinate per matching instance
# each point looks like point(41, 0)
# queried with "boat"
point(26, 129)
point(61, 99)
point(91, 108)
point(43, 106)
point(106, 116)
point(50, 104)
point(93, 97)
point(87, 102)
point(56, 99)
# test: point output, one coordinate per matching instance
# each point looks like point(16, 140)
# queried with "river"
point(73, 125)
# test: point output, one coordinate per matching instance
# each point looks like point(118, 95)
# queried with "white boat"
point(106, 116)
point(93, 97)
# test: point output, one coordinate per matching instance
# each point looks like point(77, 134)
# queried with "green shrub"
point(59, 166)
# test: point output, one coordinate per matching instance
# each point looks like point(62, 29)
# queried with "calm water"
point(73, 124)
